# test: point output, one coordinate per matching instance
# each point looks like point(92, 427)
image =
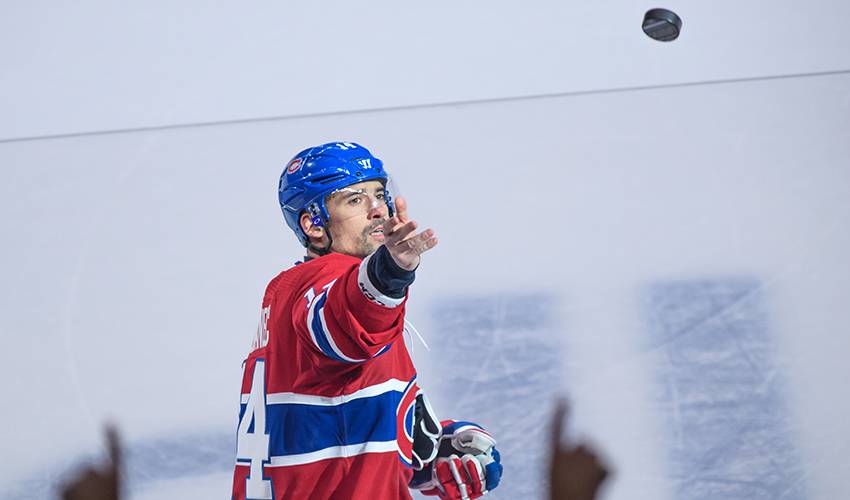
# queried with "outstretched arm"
point(353, 314)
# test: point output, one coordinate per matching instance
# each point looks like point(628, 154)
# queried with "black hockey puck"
point(662, 25)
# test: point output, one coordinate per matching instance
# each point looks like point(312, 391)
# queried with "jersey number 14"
point(252, 443)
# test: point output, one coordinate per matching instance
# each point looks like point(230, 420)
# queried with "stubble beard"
point(367, 244)
point(364, 245)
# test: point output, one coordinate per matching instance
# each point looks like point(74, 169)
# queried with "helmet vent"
point(330, 179)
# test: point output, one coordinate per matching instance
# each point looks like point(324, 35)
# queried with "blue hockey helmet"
point(316, 172)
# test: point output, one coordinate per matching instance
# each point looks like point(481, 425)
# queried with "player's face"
point(357, 214)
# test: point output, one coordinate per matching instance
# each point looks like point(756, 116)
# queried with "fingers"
point(401, 210)
point(421, 243)
point(475, 473)
point(398, 233)
point(450, 474)
point(399, 219)
point(113, 444)
point(461, 478)
point(558, 422)
point(401, 239)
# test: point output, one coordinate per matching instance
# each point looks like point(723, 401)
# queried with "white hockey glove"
point(467, 466)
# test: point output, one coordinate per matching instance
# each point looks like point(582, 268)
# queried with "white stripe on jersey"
point(333, 452)
point(311, 310)
point(279, 398)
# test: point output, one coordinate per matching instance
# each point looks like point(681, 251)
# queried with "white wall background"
point(133, 263)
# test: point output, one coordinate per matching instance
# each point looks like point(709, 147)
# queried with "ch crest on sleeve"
point(405, 420)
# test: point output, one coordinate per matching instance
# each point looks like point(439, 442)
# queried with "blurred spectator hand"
point(98, 484)
point(575, 472)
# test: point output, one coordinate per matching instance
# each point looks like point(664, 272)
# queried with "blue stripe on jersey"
point(320, 332)
point(383, 350)
point(302, 428)
point(322, 335)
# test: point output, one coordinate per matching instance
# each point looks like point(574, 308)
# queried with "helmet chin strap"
point(322, 251)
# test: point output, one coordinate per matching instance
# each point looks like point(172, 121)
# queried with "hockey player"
point(330, 407)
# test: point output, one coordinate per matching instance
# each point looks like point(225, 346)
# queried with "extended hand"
point(575, 472)
point(98, 483)
point(400, 239)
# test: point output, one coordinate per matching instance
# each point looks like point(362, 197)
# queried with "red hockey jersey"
point(328, 392)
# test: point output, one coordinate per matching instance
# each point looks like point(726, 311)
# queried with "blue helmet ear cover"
point(316, 172)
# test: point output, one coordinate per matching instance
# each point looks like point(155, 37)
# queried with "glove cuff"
point(426, 435)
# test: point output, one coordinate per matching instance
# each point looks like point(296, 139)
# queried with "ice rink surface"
point(682, 276)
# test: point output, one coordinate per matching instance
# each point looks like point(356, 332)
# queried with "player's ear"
point(310, 229)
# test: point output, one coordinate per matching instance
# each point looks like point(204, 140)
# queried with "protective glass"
point(366, 200)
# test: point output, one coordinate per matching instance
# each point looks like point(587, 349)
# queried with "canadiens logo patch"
point(294, 165)
point(405, 420)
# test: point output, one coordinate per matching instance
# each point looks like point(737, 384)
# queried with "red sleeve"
point(343, 315)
